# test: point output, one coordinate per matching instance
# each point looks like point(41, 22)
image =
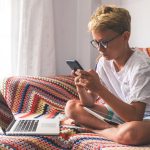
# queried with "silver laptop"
point(11, 126)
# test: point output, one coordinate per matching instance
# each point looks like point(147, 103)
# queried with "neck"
point(120, 61)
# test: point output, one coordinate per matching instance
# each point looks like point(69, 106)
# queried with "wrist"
point(100, 90)
point(79, 88)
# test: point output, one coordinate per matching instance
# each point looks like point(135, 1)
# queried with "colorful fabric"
point(46, 97)
point(146, 50)
point(38, 94)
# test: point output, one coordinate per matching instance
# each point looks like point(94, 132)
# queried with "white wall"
point(140, 23)
point(113, 2)
point(65, 32)
point(72, 38)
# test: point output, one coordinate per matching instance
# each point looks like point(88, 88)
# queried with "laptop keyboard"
point(27, 126)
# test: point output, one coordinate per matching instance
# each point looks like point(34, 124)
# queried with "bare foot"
point(67, 121)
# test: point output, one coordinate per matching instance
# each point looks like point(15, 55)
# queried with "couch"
point(46, 97)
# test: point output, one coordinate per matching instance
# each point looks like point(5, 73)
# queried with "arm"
point(128, 112)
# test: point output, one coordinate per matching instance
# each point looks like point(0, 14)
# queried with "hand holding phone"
point(74, 64)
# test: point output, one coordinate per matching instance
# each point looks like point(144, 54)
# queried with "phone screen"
point(74, 64)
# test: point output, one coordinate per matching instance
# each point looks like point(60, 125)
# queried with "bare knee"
point(129, 134)
point(71, 108)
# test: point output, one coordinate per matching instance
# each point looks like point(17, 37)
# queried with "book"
point(102, 117)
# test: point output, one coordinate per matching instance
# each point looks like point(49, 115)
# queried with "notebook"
point(12, 126)
point(100, 116)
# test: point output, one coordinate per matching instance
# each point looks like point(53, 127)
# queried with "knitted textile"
point(38, 97)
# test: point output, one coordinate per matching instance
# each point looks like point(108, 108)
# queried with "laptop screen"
point(6, 116)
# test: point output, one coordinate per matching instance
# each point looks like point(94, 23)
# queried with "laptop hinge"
point(3, 131)
point(10, 125)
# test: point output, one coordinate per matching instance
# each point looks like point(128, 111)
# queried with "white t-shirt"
point(130, 84)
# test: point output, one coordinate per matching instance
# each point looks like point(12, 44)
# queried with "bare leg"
point(75, 111)
point(131, 133)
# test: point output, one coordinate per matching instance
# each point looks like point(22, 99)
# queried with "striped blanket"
point(46, 97)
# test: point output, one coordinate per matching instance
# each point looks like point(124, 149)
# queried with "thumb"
point(92, 71)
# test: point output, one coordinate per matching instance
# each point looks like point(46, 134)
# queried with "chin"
point(107, 57)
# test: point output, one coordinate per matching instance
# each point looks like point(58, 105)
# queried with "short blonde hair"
point(110, 17)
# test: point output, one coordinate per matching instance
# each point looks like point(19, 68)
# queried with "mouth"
point(103, 54)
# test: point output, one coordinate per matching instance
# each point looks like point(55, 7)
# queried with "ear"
point(126, 35)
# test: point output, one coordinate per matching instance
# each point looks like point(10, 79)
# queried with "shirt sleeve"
point(140, 85)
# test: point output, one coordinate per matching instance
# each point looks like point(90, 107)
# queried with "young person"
point(122, 80)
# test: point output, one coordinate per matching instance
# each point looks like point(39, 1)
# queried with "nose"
point(101, 48)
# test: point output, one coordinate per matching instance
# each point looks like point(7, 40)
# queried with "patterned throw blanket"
point(46, 97)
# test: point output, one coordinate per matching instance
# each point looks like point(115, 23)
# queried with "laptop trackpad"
point(49, 126)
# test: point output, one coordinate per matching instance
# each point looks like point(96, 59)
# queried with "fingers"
point(82, 77)
point(82, 74)
point(76, 72)
point(86, 79)
point(85, 73)
point(76, 79)
point(73, 73)
point(92, 71)
point(80, 82)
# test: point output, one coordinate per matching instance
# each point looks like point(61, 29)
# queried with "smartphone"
point(74, 64)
